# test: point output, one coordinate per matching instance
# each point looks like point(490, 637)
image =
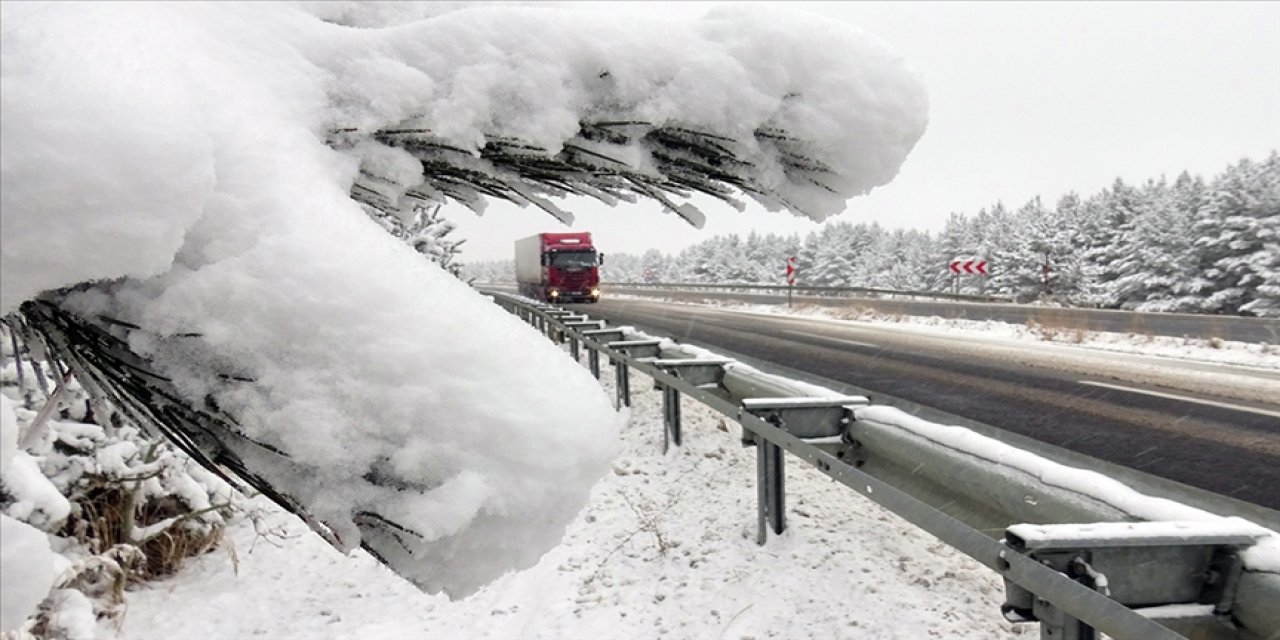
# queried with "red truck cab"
point(558, 267)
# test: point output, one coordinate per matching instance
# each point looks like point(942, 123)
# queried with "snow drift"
point(191, 168)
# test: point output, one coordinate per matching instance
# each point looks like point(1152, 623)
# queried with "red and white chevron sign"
point(970, 266)
point(791, 270)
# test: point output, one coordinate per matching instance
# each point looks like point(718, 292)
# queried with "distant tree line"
point(1186, 246)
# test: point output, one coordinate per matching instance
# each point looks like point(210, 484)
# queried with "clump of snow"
point(31, 496)
point(182, 150)
point(88, 119)
point(8, 434)
point(75, 619)
point(35, 499)
point(26, 571)
point(1264, 556)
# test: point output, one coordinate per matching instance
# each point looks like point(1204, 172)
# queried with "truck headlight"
point(554, 293)
point(595, 293)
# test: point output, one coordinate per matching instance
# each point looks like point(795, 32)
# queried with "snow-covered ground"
point(665, 548)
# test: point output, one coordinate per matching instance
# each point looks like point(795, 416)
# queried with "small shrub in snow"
point(117, 505)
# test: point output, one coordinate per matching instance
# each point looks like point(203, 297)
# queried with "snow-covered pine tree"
point(878, 259)
point(1033, 243)
point(763, 255)
point(653, 266)
point(832, 261)
point(992, 230)
point(1067, 278)
point(1266, 262)
point(733, 265)
point(1189, 286)
point(1161, 261)
point(954, 241)
point(622, 267)
point(908, 270)
point(1237, 228)
point(1110, 238)
point(857, 242)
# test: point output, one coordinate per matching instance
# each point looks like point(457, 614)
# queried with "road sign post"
point(969, 266)
point(791, 278)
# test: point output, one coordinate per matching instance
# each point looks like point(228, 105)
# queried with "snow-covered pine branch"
point(200, 162)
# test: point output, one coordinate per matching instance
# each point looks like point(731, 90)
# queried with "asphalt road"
point(1220, 443)
point(1246, 329)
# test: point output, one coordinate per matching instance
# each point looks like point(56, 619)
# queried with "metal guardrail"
point(814, 290)
point(1074, 561)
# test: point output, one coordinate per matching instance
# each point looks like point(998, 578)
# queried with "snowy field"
point(665, 548)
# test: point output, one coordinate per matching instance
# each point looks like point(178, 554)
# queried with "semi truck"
point(558, 267)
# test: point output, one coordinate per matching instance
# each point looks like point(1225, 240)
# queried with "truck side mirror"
point(544, 260)
point(602, 258)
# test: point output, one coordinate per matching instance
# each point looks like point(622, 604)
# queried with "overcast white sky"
point(1027, 99)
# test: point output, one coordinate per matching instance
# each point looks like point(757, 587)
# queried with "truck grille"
point(575, 281)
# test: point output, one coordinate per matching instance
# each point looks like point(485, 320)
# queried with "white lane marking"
point(1212, 403)
point(810, 335)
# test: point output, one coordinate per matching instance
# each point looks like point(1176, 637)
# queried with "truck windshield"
point(572, 259)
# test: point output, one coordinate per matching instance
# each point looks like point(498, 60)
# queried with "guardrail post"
point(1056, 624)
point(671, 417)
point(771, 490)
point(578, 322)
point(800, 417)
point(635, 349)
point(819, 417)
point(696, 372)
point(621, 385)
point(593, 355)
